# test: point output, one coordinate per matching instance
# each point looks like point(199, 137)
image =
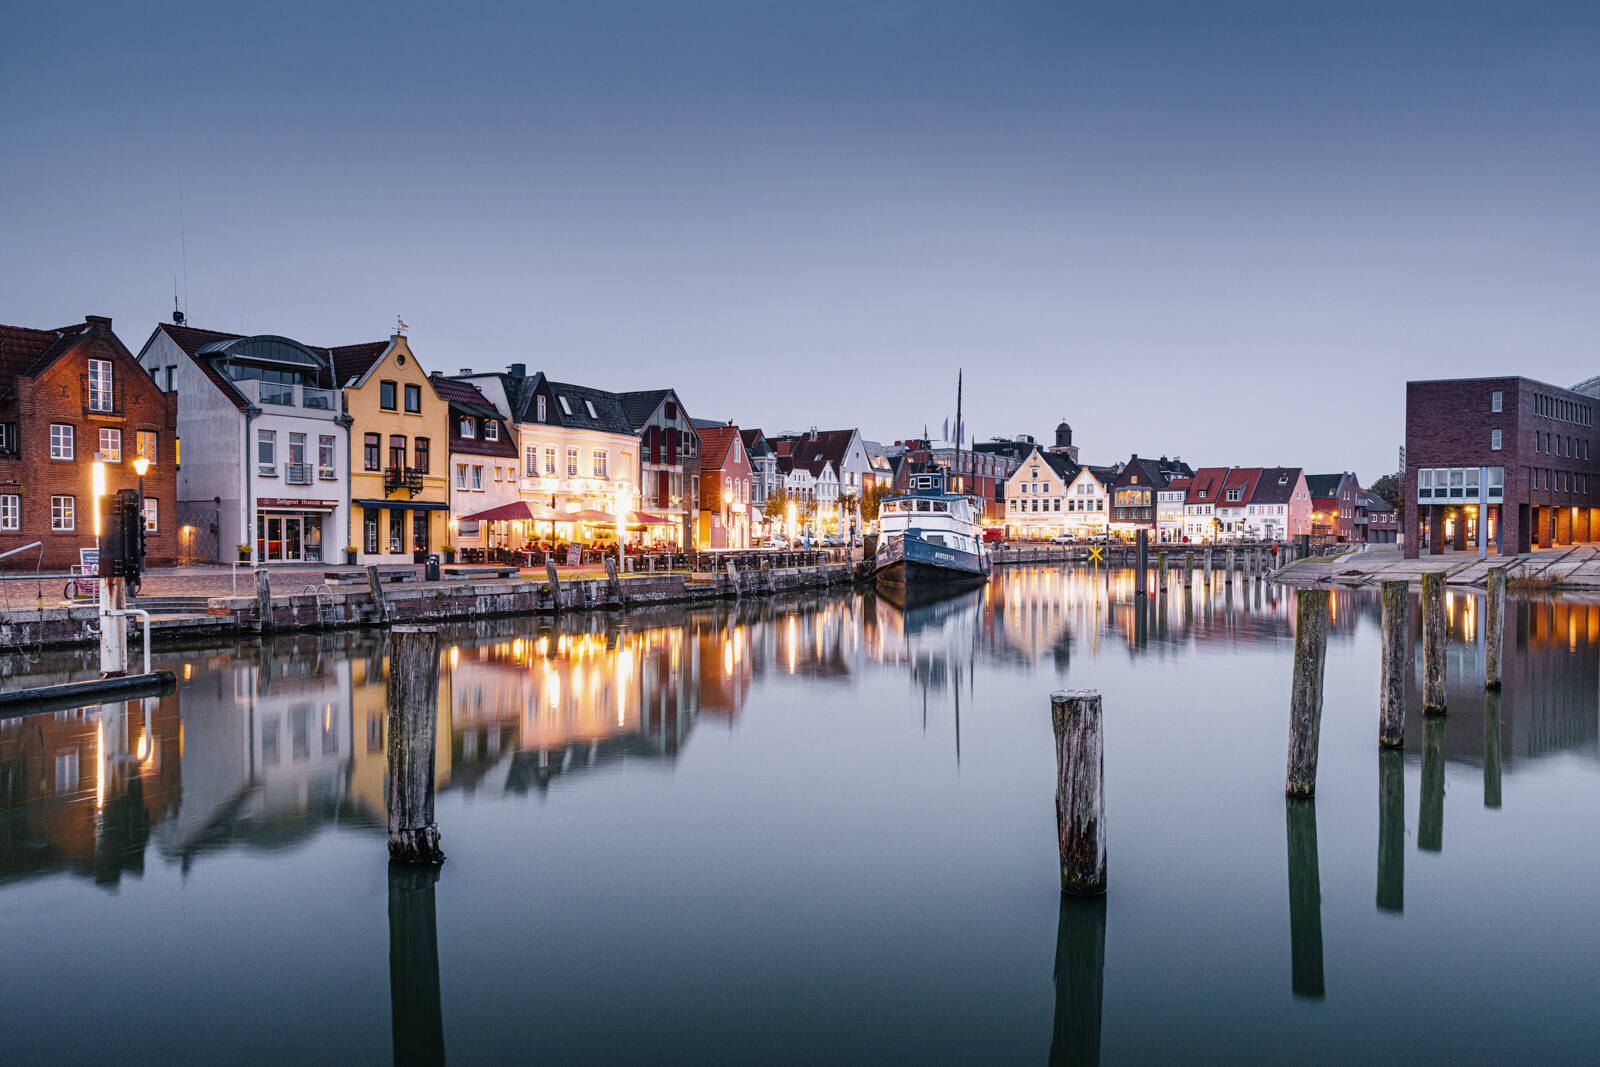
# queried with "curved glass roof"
point(264, 348)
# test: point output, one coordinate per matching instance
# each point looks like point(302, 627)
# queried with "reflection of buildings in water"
point(1549, 700)
point(80, 790)
point(812, 638)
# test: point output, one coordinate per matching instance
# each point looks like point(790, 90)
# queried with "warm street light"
point(98, 481)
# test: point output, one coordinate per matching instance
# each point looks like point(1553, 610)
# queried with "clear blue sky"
point(1229, 231)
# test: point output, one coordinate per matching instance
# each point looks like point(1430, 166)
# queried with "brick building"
point(1515, 450)
point(1335, 499)
point(66, 396)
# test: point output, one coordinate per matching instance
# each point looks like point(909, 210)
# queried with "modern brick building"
point(67, 396)
point(1512, 450)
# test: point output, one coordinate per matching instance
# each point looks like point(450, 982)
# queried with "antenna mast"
point(958, 431)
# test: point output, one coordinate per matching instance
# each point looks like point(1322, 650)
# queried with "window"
point(539, 410)
point(589, 406)
point(170, 371)
point(397, 451)
point(369, 531)
point(372, 459)
point(421, 451)
point(151, 515)
point(10, 512)
point(461, 475)
point(466, 428)
point(491, 429)
point(1496, 401)
point(100, 385)
point(550, 462)
point(327, 458)
point(146, 444)
point(61, 440)
point(477, 476)
point(63, 514)
point(1494, 440)
point(599, 464)
point(572, 463)
point(530, 460)
point(111, 445)
point(386, 396)
point(397, 530)
point(267, 451)
point(566, 408)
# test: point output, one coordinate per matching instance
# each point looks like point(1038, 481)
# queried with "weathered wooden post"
point(380, 606)
point(733, 579)
point(1391, 830)
point(1080, 791)
point(1141, 565)
point(1079, 980)
point(1494, 624)
point(416, 1020)
point(1305, 698)
point(413, 730)
point(1430, 817)
point(1305, 899)
point(1396, 664)
point(1188, 570)
point(1433, 638)
point(614, 580)
point(1209, 551)
point(264, 619)
point(1491, 749)
point(553, 579)
point(1161, 573)
point(1230, 565)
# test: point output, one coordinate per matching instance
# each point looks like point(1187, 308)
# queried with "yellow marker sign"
point(1096, 554)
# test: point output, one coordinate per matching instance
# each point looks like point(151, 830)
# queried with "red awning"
point(644, 518)
point(590, 516)
point(517, 510)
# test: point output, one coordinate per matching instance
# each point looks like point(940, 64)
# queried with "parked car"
point(775, 542)
point(832, 541)
point(994, 535)
point(1063, 539)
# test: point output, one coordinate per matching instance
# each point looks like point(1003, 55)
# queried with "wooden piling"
point(1080, 791)
point(1161, 572)
point(264, 620)
point(1188, 570)
point(1208, 566)
point(1494, 624)
point(733, 579)
point(1433, 639)
point(1305, 698)
point(1141, 565)
point(554, 580)
point(1231, 565)
point(413, 729)
point(614, 580)
point(380, 606)
point(1395, 664)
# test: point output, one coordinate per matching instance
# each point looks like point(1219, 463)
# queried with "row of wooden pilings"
point(1076, 715)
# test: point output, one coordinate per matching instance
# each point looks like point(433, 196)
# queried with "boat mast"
point(958, 432)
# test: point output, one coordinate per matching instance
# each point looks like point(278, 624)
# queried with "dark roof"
point(1375, 502)
point(610, 413)
point(25, 351)
point(825, 446)
point(1276, 485)
point(463, 396)
point(352, 361)
point(207, 347)
point(755, 442)
point(639, 405)
point(1062, 464)
point(465, 399)
point(1142, 472)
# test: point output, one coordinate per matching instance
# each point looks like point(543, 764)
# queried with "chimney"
point(519, 370)
point(465, 371)
point(98, 321)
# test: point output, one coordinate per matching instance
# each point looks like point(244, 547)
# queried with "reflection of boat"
point(929, 539)
point(915, 600)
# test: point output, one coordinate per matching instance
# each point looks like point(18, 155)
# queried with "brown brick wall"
point(59, 395)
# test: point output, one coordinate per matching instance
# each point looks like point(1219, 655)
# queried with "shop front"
point(292, 530)
point(401, 530)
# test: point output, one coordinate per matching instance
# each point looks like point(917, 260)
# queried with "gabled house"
point(725, 493)
point(1036, 496)
point(764, 480)
point(1280, 506)
point(1200, 502)
point(1169, 511)
point(1233, 503)
point(1333, 504)
point(1383, 522)
point(1087, 508)
point(1133, 497)
point(483, 470)
point(67, 396)
point(267, 475)
point(669, 458)
point(844, 453)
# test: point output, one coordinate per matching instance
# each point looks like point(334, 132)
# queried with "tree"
point(872, 501)
point(777, 501)
point(1389, 487)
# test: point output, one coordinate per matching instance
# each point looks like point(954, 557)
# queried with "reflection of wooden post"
point(1080, 795)
point(1080, 981)
point(554, 580)
point(1305, 899)
point(416, 1021)
point(1305, 697)
point(1491, 749)
point(1433, 638)
point(1161, 573)
point(1391, 830)
point(1430, 820)
point(1141, 563)
point(1395, 666)
point(413, 731)
point(1494, 624)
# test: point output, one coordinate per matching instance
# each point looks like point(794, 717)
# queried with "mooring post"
point(554, 580)
point(1494, 625)
point(1305, 698)
point(1141, 564)
point(380, 609)
point(1188, 570)
point(413, 729)
point(1208, 566)
point(264, 621)
point(1396, 664)
point(733, 579)
point(1391, 831)
point(1433, 638)
point(1161, 573)
point(1230, 565)
point(1080, 791)
point(615, 581)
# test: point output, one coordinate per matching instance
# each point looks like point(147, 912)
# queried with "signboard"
point(1096, 554)
point(89, 566)
point(574, 555)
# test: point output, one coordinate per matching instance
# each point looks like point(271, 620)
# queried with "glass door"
point(313, 538)
point(291, 538)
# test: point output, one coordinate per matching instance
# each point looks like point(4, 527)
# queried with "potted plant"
point(244, 553)
point(350, 555)
point(449, 553)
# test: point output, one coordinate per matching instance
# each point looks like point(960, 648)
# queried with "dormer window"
point(566, 408)
point(538, 408)
point(491, 429)
point(467, 428)
point(593, 414)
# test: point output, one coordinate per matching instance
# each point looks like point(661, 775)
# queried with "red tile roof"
point(715, 441)
point(1242, 478)
point(191, 340)
point(24, 350)
point(1206, 485)
point(352, 361)
point(465, 398)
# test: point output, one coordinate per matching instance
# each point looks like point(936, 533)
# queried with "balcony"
point(396, 479)
point(297, 473)
point(308, 400)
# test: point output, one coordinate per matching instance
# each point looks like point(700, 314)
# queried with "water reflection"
point(1430, 822)
point(1305, 898)
point(1079, 981)
point(416, 1019)
point(1391, 831)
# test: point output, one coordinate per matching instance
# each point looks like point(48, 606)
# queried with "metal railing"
point(297, 473)
point(407, 478)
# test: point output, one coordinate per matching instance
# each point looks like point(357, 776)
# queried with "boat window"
point(922, 505)
point(940, 505)
point(934, 539)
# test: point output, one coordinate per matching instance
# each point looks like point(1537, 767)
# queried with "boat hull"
point(911, 564)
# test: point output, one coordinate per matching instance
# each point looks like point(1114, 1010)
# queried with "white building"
point(1169, 512)
point(1036, 496)
point(265, 444)
point(1088, 503)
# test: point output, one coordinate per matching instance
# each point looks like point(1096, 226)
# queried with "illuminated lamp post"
point(727, 510)
point(623, 507)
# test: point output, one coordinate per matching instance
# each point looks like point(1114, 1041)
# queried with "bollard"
point(1141, 566)
point(1391, 831)
point(1305, 698)
point(1161, 573)
point(554, 580)
point(615, 582)
point(264, 620)
point(1208, 567)
point(733, 579)
point(1433, 638)
point(380, 606)
point(413, 728)
point(1188, 570)
point(1396, 665)
point(1494, 624)
point(1080, 792)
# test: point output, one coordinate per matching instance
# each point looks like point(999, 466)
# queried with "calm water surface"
point(815, 830)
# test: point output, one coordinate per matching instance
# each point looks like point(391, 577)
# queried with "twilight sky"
point(1225, 231)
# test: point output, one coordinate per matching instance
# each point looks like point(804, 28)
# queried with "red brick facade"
point(49, 413)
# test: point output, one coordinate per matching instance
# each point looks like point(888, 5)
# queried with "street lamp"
point(623, 505)
point(727, 508)
point(140, 465)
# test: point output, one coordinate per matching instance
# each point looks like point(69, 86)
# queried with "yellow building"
point(399, 452)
